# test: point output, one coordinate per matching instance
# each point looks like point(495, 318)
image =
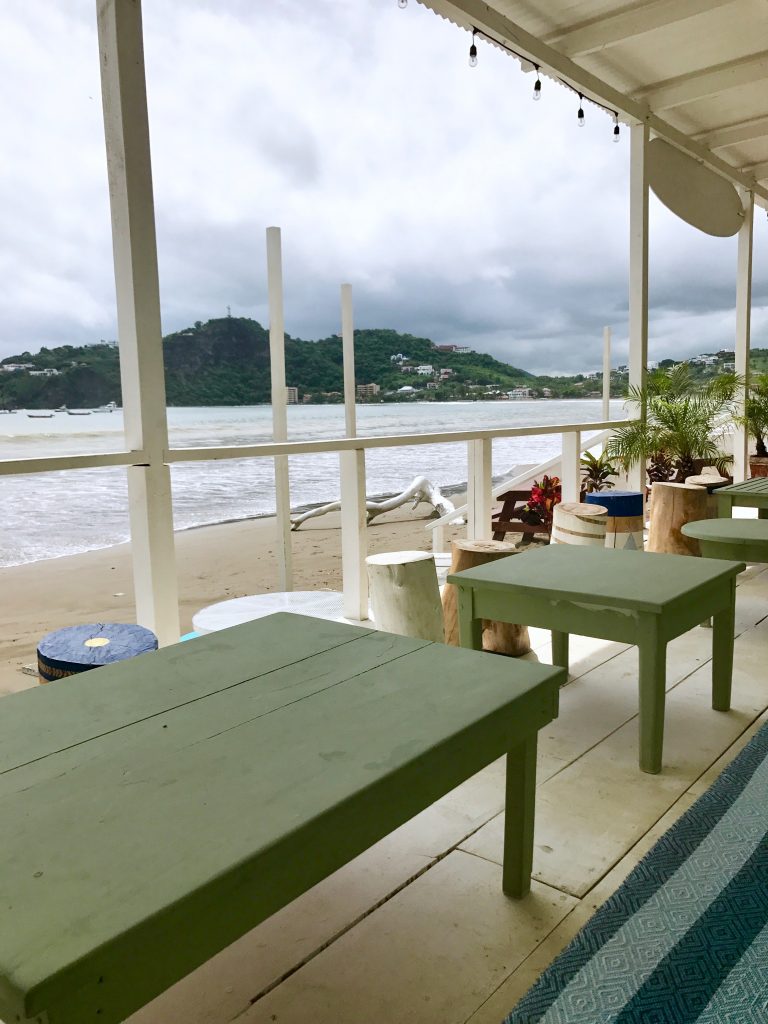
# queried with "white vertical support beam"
point(438, 540)
point(638, 272)
point(348, 356)
point(134, 245)
point(606, 373)
point(479, 485)
point(571, 467)
point(279, 407)
point(743, 326)
point(354, 537)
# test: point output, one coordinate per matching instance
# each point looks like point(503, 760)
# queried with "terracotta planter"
point(758, 465)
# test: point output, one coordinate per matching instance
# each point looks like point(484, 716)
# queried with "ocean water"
point(47, 515)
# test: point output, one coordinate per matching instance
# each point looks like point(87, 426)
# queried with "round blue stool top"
point(79, 648)
point(618, 503)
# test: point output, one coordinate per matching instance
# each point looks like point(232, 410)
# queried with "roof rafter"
point(734, 134)
point(480, 14)
point(760, 171)
point(600, 33)
point(697, 85)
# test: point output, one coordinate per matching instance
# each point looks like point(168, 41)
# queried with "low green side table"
point(742, 539)
point(612, 595)
point(749, 493)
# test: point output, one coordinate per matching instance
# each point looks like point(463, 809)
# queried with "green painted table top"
point(756, 485)
point(733, 531)
point(154, 810)
point(623, 579)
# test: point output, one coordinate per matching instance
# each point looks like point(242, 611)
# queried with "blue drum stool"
point(74, 649)
point(626, 518)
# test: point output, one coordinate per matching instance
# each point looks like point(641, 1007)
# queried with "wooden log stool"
point(405, 597)
point(672, 506)
point(498, 637)
point(65, 652)
point(576, 522)
point(626, 519)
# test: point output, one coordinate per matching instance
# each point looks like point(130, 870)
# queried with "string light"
point(537, 84)
point(402, 4)
point(473, 52)
point(580, 115)
point(616, 129)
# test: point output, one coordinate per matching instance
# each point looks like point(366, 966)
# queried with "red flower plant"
point(545, 494)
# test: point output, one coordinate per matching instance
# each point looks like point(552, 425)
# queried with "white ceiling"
point(696, 70)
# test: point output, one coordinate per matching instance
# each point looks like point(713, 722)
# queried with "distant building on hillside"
point(292, 396)
point(398, 358)
point(446, 372)
point(15, 367)
point(546, 392)
point(367, 390)
point(425, 370)
point(48, 372)
point(519, 393)
point(406, 389)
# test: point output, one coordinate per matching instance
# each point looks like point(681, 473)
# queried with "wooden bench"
point(507, 519)
point(155, 810)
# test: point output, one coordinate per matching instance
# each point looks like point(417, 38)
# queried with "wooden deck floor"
point(417, 931)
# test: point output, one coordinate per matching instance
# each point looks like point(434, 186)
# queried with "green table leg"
point(518, 819)
point(762, 513)
point(470, 628)
point(724, 626)
point(653, 680)
point(560, 649)
point(724, 506)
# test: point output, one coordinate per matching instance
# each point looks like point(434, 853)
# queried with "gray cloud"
point(457, 208)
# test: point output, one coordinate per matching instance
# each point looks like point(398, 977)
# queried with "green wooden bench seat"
point(155, 810)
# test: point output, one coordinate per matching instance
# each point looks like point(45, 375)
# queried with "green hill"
point(226, 362)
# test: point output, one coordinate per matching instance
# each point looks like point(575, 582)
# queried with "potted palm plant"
point(595, 472)
point(684, 425)
point(755, 419)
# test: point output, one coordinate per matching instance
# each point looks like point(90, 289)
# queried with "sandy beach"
point(214, 563)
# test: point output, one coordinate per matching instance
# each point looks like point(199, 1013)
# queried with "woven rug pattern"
point(685, 938)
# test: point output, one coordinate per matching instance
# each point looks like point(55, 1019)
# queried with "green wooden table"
point(153, 811)
point(629, 596)
point(742, 539)
point(749, 493)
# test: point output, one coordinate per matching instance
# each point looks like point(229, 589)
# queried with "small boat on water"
point(40, 415)
point(82, 412)
point(109, 407)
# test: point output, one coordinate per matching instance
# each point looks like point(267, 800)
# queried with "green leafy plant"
point(755, 416)
point(684, 424)
point(595, 471)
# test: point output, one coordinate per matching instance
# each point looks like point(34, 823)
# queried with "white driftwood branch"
point(420, 490)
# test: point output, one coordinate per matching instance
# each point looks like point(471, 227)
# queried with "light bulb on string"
point(537, 85)
point(473, 52)
point(616, 129)
point(402, 4)
point(580, 114)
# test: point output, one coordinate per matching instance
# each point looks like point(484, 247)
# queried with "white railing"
point(353, 490)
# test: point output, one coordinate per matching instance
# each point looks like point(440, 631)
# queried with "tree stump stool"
point(65, 652)
point(626, 518)
point(498, 637)
point(576, 522)
point(673, 505)
point(404, 595)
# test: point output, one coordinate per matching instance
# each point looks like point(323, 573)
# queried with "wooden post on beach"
point(354, 538)
point(134, 246)
point(279, 407)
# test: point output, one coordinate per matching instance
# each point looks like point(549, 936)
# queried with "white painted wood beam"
point(601, 33)
point(638, 273)
point(759, 171)
point(129, 169)
point(698, 85)
point(734, 134)
point(479, 485)
point(570, 470)
point(469, 13)
point(743, 326)
point(354, 534)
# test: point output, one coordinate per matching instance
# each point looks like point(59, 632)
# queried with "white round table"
point(322, 604)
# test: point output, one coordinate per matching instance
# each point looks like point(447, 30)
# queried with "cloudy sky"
point(457, 207)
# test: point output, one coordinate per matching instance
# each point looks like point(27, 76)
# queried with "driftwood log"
point(673, 505)
point(499, 637)
point(420, 490)
point(404, 595)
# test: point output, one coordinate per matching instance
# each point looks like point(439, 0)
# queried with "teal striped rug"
point(685, 938)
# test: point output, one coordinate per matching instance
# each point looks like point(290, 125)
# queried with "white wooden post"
point(438, 540)
point(479, 485)
point(279, 407)
point(354, 526)
point(638, 273)
point(606, 373)
point(741, 439)
point(134, 245)
point(571, 467)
